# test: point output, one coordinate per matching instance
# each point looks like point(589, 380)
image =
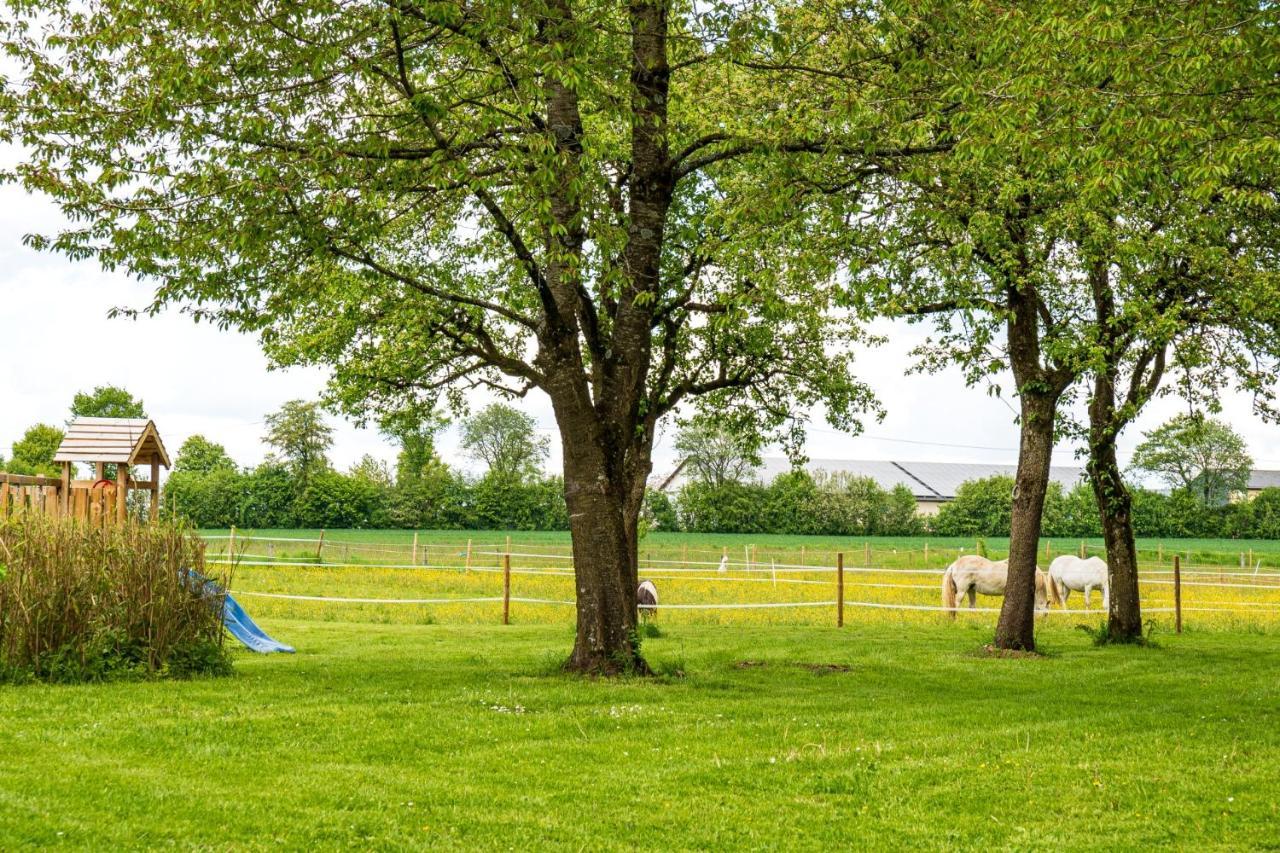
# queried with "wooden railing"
point(22, 493)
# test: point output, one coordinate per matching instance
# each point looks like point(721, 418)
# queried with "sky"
point(57, 339)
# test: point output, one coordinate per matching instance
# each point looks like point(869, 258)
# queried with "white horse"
point(724, 564)
point(1069, 572)
point(971, 574)
point(647, 600)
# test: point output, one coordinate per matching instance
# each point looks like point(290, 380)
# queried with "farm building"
point(932, 483)
point(1260, 479)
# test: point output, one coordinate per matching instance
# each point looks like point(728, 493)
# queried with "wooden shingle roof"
point(131, 441)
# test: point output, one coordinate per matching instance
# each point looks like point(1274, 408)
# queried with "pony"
point(971, 574)
point(647, 600)
point(1069, 572)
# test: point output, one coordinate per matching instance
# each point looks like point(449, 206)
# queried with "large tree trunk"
point(1016, 629)
point(1124, 610)
point(1124, 614)
point(603, 487)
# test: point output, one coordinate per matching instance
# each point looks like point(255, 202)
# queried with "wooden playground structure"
point(98, 442)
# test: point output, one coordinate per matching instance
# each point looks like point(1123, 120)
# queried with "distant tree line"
point(298, 487)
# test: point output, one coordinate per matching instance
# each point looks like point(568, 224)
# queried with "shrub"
point(981, 508)
point(88, 604)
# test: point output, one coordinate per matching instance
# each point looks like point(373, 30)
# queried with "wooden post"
point(1177, 593)
point(746, 556)
point(154, 511)
point(122, 492)
point(773, 566)
point(1082, 549)
point(926, 555)
point(866, 554)
point(64, 501)
point(506, 589)
point(802, 556)
point(466, 567)
point(684, 555)
point(320, 547)
point(840, 590)
point(1159, 552)
point(1048, 551)
point(1242, 560)
point(414, 559)
point(231, 545)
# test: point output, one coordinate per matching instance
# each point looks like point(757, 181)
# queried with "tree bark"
point(603, 520)
point(1016, 628)
point(1039, 390)
point(1124, 614)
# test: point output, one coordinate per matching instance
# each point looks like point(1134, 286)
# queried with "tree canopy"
point(33, 453)
point(200, 455)
point(299, 431)
point(107, 401)
point(1202, 455)
point(506, 440)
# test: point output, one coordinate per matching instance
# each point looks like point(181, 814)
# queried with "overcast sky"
point(57, 340)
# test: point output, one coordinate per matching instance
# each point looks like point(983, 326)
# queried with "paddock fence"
point(489, 580)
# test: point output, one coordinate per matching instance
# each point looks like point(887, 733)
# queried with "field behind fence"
point(462, 577)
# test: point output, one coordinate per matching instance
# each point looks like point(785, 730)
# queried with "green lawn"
point(876, 736)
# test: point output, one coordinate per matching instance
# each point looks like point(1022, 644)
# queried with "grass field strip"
point(1262, 582)
point(336, 579)
point(816, 558)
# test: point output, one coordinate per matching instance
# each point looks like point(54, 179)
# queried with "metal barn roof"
point(131, 441)
point(1259, 479)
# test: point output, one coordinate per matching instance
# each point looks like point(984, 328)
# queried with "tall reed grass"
point(79, 603)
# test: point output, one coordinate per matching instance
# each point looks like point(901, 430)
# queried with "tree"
point(303, 438)
point(199, 455)
point(506, 440)
point(107, 401)
point(980, 508)
point(33, 453)
point(370, 469)
point(1202, 455)
point(416, 435)
point(1078, 268)
point(715, 455)
point(427, 197)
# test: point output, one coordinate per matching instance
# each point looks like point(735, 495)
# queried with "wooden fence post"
point(231, 544)
point(1082, 549)
point(866, 554)
point(506, 589)
point(1048, 551)
point(1159, 552)
point(320, 547)
point(1177, 593)
point(466, 567)
point(414, 559)
point(684, 555)
point(802, 557)
point(746, 556)
point(840, 590)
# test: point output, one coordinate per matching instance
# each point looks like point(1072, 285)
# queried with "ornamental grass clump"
point(79, 603)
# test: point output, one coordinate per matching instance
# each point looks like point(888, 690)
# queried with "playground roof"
point(128, 440)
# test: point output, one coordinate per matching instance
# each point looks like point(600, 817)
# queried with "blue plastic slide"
point(238, 623)
point(246, 630)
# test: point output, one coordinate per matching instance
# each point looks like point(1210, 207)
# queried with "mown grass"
point(875, 736)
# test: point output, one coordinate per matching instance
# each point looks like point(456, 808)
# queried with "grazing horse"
point(971, 574)
point(1069, 572)
point(647, 600)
